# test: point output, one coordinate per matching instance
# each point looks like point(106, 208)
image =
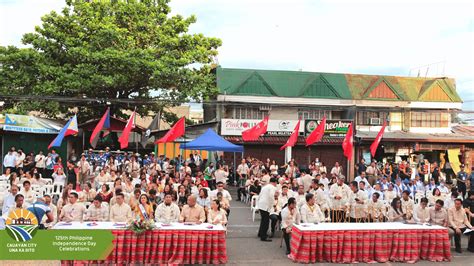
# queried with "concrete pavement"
point(245, 248)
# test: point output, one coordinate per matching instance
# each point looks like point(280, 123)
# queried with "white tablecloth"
point(365, 226)
point(122, 226)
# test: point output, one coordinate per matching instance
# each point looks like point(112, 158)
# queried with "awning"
point(401, 136)
point(280, 140)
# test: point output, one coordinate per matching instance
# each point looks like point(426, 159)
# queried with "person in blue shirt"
point(40, 209)
point(461, 181)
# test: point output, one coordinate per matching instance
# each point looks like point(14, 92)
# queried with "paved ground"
point(245, 248)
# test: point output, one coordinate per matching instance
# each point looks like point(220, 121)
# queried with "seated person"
point(121, 211)
point(289, 216)
point(310, 212)
point(192, 212)
point(167, 211)
point(97, 212)
point(73, 211)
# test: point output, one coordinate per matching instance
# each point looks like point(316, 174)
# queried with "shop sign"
point(234, 127)
point(334, 128)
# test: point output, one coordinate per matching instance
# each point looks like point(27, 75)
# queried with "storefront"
point(328, 150)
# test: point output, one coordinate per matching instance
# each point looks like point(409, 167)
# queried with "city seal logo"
point(21, 225)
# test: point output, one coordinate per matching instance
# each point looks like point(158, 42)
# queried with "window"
point(306, 114)
point(363, 117)
point(249, 113)
point(423, 119)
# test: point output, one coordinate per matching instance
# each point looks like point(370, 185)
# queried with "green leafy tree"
point(133, 54)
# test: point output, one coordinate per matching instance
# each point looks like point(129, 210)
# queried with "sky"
point(402, 38)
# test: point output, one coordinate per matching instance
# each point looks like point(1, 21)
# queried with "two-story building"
point(419, 113)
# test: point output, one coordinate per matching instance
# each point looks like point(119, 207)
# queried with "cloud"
point(372, 37)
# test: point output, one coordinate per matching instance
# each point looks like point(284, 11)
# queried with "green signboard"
point(334, 128)
point(24, 244)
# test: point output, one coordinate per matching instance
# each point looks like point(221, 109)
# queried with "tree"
point(129, 53)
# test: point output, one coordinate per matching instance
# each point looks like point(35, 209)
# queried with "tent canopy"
point(210, 141)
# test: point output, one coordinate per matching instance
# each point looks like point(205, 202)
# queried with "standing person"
point(71, 174)
point(459, 222)
point(361, 167)
point(461, 178)
point(84, 170)
point(9, 161)
point(289, 217)
point(209, 175)
point(243, 171)
point(40, 161)
point(265, 205)
point(20, 157)
point(336, 170)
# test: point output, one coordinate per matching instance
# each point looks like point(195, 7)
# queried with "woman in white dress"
point(216, 215)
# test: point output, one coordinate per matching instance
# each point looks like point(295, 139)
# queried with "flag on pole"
point(293, 137)
point(154, 125)
point(348, 143)
point(104, 123)
point(256, 131)
point(375, 144)
point(317, 134)
point(69, 129)
point(175, 132)
point(126, 131)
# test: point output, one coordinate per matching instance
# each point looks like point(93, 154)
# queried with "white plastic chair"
point(253, 206)
point(48, 189)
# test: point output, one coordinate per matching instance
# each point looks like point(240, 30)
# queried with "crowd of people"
point(116, 187)
point(122, 187)
point(422, 193)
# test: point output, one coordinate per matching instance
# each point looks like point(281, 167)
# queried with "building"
point(418, 111)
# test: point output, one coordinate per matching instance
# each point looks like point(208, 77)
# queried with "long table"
point(369, 242)
point(167, 244)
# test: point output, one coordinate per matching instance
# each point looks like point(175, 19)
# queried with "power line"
point(104, 102)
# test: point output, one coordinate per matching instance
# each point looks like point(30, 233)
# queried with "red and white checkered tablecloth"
point(376, 245)
point(165, 247)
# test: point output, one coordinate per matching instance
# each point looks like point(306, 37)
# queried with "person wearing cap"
point(40, 209)
point(461, 178)
point(265, 203)
point(73, 211)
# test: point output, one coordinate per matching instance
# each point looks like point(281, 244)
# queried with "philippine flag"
point(69, 129)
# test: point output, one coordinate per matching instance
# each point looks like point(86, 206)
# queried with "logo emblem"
point(311, 126)
point(21, 225)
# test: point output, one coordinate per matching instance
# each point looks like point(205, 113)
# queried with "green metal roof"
point(279, 83)
point(282, 83)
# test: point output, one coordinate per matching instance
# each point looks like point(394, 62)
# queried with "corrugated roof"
point(401, 136)
point(279, 83)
